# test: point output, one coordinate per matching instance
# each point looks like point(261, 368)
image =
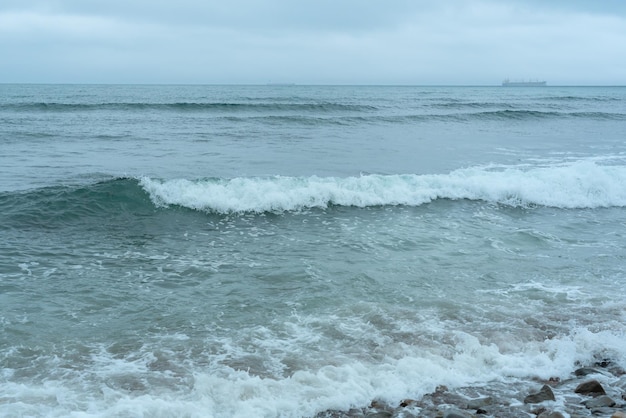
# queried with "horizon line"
point(287, 85)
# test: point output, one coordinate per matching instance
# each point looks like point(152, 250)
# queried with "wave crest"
point(575, 185)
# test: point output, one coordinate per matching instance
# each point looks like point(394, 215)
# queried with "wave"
point(580, 98)
point(463, 117)
point(539, 114)
point(577, 185)
point(191, 107)
point(314, 113)
point(455, 104)
point(62, 205)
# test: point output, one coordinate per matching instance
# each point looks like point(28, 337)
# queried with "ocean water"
point(277, 251)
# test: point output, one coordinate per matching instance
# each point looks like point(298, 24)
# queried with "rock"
point(379, 414)
point(456, 413)
point(617, 371)
point(479, 403)
point(340, 414)
point(548, 414)
point(591, 388)
point(445, 398)
point(604, 362)
point(545, 394)
point(585, 371)
point(599, 402)
point(378, 410)
point(406, 402)
point(605, 411)
point(538, 411)
point(407, 414)
point(517, 411)
point(410, 413)
point(619, 414)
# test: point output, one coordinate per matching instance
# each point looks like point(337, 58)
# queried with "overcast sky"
point(476, 42)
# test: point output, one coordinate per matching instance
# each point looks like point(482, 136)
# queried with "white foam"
point(572, 293)
point(581, 184)
point(221, 391)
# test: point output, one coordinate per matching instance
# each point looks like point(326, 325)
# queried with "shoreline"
point(596, 390)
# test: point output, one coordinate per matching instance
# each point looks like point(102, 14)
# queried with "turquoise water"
point(282, 250)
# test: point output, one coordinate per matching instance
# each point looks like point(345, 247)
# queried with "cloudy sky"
point(421, 42)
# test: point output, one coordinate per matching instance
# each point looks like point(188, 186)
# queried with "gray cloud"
point(245, 41)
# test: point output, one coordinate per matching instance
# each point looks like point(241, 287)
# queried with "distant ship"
point(509, 83)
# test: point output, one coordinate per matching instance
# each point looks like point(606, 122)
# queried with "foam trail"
point(583, 184)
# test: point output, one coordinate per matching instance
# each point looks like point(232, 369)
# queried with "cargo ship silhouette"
point(509, 83)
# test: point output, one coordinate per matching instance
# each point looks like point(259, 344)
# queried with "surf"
point(579, 185)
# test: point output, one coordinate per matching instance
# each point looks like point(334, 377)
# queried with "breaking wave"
point(576, 185)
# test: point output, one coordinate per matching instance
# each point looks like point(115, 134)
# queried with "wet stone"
point(479, 403)
point(585, 371)
point(603, 412)
point(379, 414)
point(379, 410)
point(591, 388)
point(550, 414)
point(545, 394)
point(455, 413)
point(588, 401)
point(599, 402)
point(406, 402)
point(411, 413)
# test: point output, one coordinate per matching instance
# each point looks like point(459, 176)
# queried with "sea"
point(284, 250)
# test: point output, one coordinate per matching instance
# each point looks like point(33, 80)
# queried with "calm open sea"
point(276, 251)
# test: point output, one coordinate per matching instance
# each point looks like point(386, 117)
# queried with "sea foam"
point(582, 184)
point(227, 392)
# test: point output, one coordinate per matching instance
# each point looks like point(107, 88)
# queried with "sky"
point(417, 42)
